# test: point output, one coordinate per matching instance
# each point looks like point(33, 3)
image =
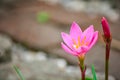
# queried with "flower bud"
point(106, 28)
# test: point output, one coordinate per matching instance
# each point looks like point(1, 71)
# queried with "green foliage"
point(42, 17)
point(94, 73)
point(88, 78)
point(19, 73)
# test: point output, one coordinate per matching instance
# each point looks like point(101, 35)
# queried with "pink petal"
point(88, 33)
point(67, 39)
point(94, 39)
point(82, 49)
point(75, 31)
point(79, 50)
point(68, 50)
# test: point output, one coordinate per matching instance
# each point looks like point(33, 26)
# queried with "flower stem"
point(83, 74)
point(107, 60)
point(106, 69)
point(82, 67)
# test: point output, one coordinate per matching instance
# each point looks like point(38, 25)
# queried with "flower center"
point(78, 43)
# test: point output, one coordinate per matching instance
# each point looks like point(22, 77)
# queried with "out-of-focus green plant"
point(19, 73)
point(93, 72)
point(42, 17)
point(88, 78)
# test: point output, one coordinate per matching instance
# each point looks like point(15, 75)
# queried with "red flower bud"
point(106, 28)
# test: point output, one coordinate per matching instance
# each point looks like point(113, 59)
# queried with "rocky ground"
point(37, 65)
point(43, 40)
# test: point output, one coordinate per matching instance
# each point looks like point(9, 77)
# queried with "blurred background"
point(30, 37)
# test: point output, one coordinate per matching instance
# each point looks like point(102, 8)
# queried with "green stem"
point(106, 69)
point(82, 67)
point(107, 60)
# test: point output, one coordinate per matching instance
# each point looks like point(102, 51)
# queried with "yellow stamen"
point(74, 42)
point(75, 46)
point(83, 41)
point(79, 43)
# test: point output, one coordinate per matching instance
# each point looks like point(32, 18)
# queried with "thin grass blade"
point(94, 73)
point(19, 73)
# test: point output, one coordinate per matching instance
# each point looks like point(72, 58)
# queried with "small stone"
point(73, 70)
point(18, 51)
point(113, 13)
point(5, 45)
point(28, 56)
point(61, 63)
point(5, 42)
point(18, 48)
point(53, 2)
point(111, 78)
point(101, 76)
point(61, 53)
point(12, 77)
point(91, 7)
point(74, 5)
point(40, 56)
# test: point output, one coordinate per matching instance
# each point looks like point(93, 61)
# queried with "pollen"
point(79, 43)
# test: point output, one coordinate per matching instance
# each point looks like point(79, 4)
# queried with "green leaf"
point(94, 73)
point(19, 72)
point(42, 17)
point(88, 78)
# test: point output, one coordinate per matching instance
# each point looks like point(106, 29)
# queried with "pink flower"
point(78, 43)
point(106, 28)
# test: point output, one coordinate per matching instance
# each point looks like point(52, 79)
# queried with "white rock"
point(91, 7)
point(101, 76)
point(40, 56)
point(5, 42)
point(75, 6)
point(73, 70)
point(1, 52)
point(18, 49)
point(112, 15)
point(105, 9)
point(51, 1)
point(61, 63)
point(28, 56)
point(18, 52)
point(23, 54)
